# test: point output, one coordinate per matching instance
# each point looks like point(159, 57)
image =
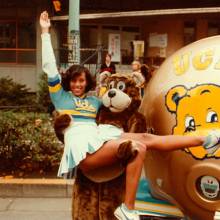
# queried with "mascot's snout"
point(111, 93)
point(116, 100)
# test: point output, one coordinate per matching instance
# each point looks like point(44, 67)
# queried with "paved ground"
point(36, 188)
point(35, 208)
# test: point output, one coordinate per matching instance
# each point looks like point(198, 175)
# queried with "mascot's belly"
point(183, 97)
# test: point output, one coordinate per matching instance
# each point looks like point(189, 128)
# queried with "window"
point(213, 28)
point(189, 32)
point(17, 42)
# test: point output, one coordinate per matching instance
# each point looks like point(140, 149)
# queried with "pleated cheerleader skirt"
point(82, 138)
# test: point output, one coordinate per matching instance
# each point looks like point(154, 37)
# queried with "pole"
point(74, 33)
point(99, 47)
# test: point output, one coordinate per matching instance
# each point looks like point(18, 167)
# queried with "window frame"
point(17, 49)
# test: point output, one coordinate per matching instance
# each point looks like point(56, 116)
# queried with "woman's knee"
point(141, 150)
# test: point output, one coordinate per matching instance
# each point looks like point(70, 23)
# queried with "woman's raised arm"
point(49, 62)
point(48, 59)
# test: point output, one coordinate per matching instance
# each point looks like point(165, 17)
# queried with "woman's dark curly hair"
point(75, 71)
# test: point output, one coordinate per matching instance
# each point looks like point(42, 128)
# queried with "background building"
point(163, 26)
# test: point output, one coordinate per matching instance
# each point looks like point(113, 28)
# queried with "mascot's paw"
point(127, 151)
point(62, 122)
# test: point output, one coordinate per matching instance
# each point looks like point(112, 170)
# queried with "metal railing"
point(90, 57)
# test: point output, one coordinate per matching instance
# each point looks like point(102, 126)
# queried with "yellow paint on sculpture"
point(193, 118)
point(181, 63)
point(203, 59)
point(200, 61)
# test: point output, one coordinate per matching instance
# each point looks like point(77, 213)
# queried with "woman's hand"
point(44, 22)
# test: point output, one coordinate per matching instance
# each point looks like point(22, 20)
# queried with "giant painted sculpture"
point(183, 97)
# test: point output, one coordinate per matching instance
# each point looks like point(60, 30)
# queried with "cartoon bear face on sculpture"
point(183, 97)
point(193, 118)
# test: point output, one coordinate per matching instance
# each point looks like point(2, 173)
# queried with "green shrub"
point(28, 143)
point(14, 94)
point(43, 97)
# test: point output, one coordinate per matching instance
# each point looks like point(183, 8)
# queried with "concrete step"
point(35, 208)
point(36, 188)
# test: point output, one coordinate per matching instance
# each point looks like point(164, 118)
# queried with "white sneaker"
point(212, 142)
point(123, 213)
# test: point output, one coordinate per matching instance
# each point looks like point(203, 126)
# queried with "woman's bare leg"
point(166, 142)
point(107, 155)
point(133, 174)
point(174, 142)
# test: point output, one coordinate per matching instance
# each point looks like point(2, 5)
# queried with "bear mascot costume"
point(98, 193)
point(183, 97)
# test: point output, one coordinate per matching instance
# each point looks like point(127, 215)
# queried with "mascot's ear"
point(173, 97)
point(104, 76)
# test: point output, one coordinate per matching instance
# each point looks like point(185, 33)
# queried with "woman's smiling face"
point(78, 84)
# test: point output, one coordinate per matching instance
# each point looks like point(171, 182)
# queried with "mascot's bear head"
point(120, 103)
point(122, 94)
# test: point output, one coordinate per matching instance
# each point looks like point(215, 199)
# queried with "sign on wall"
point(157, 40)
point(138, 48)
point(114, 47)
